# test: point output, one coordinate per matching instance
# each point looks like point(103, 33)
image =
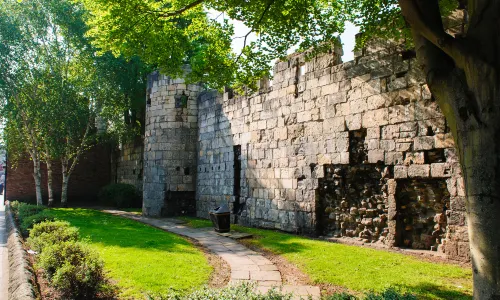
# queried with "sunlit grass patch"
point(138, 257)
point(361, 269)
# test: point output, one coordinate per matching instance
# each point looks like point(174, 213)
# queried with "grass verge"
point(361, 269)
point(140, 258)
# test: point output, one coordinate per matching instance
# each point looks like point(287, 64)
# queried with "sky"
point(241, 30)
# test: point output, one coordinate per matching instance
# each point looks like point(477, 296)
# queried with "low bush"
point(28, 222)
point(119, 195)
point(27, 210)
point(243, 291)
point(247, 291)
point(73, 268)
point(388, 294)
point(14, 206)
point(48, 233)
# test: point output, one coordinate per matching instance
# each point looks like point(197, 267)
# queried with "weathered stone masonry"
point(170, 146)
point(355, 150)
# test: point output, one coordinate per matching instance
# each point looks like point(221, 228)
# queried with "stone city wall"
point(358, 149)
point(127, 164)
point(170, 143)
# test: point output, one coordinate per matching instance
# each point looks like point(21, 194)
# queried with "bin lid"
point(221, 209)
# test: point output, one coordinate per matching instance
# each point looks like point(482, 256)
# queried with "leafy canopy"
point(171, 33)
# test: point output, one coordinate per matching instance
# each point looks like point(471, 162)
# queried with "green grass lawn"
point(361, 269)
point(138, 257)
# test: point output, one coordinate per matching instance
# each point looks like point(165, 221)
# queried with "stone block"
point(334, 125)
point(403, 147)
point(440, 170)
point(375, 102)
point(336, 98)
point(423, 143)
point(357, 105)
point(375, 118)
point(373, 133)
point(393, 158)
point(444, 140)
point(400, 172)
point(457, 204)
point(375, 156)
point(418, 171)
point(456, 218)
point(414, 158)
point(401, 113)
point(353, 122)
point(330, 89)
point(387, 145)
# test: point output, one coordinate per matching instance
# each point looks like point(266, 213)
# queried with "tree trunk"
point(462, 74)
point(65, 180)
point(480, 158)
point(37, 175)
point(49, 183)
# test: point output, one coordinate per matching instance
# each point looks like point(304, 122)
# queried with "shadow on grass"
point(433, 291)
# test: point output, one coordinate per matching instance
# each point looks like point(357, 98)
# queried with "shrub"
point(29, 222)
point(243, 291)
point(26, 210)
point(341, 296)
point(390, 294)
point(14, 206)
point(48, 233)
point(73, 268)
point(118, 194)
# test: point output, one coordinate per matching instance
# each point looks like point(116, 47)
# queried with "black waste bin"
point(220, 218)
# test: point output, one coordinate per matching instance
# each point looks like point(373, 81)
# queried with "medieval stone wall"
point(127, 165)
point(336, 149)
point(170, 143)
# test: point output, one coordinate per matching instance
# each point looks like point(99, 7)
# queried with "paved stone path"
point(245, 264)
point(4, 261)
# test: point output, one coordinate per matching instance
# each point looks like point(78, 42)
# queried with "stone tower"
point(170, 146)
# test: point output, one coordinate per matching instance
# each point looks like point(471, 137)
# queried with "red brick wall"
point(92, 172)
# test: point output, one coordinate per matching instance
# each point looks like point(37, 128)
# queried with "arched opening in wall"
point(421, 206)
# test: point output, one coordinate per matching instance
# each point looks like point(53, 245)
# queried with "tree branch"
point(254, 26)
point(432, 29)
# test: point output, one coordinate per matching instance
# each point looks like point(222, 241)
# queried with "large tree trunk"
point(49, 183)
point(480, 160)
point(37, 176)
point(65, 180)
point(462, 74)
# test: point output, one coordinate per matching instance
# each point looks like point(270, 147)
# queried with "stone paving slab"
point(235, 235)
point(246, 265)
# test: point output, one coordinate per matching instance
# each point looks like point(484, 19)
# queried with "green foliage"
point(14, 206)
point(29, 222)
point(49, 233)
point(135, 254)
point(119, 195)
point(390, 294)
point(242, 291)
point(341, 296)
point(73, 268)
point(53, 85)
point(27, 210)
point(186, 34)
